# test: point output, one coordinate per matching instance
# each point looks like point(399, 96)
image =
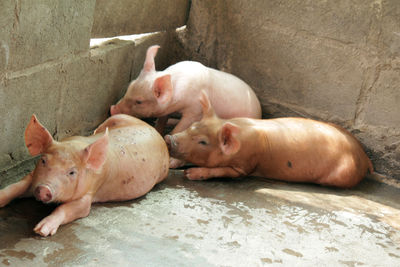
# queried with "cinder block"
point(309, 73)
point(93, 83)
point(21, 95)
point(6, 25)
point(126, 17)
point(45, 30)
point(344, 21)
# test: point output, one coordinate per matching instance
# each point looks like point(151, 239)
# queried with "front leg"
point(207, 173)
point(18, 189)
point(185, 122)
point(63, 214)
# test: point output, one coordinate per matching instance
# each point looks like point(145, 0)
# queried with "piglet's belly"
point(134, 166)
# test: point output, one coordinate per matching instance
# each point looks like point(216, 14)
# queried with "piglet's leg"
point(63, 214)
point(185, 122)
point(206, 173)
point(15, 190)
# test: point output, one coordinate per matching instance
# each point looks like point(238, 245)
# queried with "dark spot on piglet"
point(143, 159)
point(289, 164)
point(128, 180)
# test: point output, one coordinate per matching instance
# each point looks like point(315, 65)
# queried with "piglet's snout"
point(43, 193)
point(171, 143)
point(114, 110)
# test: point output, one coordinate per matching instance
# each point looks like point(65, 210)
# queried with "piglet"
point(122, 160)
point(290, 149)
point(176, 90)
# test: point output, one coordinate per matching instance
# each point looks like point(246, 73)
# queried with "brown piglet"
point(289, 149)
point(122, 160)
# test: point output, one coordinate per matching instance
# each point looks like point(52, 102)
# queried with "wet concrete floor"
point(220, 222)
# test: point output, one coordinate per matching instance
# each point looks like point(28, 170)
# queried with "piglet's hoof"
point(175, 163)
point(47, 226)
point(4, 200)
point(196, 173)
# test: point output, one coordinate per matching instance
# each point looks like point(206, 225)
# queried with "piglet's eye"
point(138, 102)
point(43, 160)
point(202, 142)
point(72, 172)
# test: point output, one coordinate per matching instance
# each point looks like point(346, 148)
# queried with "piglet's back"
point(305, 150)
point(229, 95)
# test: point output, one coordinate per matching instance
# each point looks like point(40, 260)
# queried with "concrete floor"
point(221, 222)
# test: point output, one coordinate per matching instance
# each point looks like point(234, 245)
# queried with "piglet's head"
point(209, 142)
point(64, 168)
point(150, 94)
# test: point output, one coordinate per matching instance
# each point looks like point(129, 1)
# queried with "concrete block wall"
point(338, 61)
point(47, 66)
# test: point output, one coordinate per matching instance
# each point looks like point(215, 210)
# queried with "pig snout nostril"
point(43, 193)
point(167, 139)
point(171, 143)
point(112, 110)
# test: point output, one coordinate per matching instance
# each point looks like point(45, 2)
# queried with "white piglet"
point(158, 94)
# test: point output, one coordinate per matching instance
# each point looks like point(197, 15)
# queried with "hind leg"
point(344, 175)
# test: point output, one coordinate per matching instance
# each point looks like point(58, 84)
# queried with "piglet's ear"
point(207, 109)
point(228, 141)
point(37, 138)
point(149, 64)
point(95, 154)
point(163, 88)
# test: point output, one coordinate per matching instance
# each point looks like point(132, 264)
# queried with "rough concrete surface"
point(336, 61)
point(39, 31)
point(384, 108)
point(113, 18)
point(6, 24)
point(222, 222)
